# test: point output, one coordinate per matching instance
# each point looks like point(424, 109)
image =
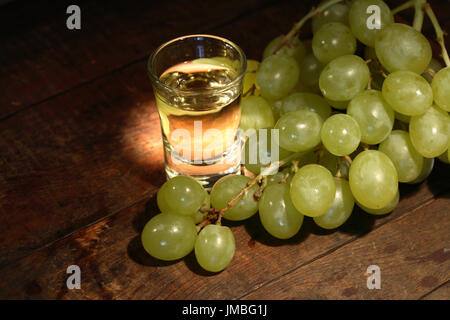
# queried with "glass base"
point(207, 181)
point(206, 172)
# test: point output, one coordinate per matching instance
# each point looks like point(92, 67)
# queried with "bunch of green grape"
point(350, 127)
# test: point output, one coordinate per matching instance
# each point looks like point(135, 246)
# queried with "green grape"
point(181, 195)
point(277, 213)
point(333, 40)
point(407, 161)
point(310, 69)
point(250, 75)
point(428, 164)
point(256, 113)
point(429, 132)
point(374, 116)
point(277, 76)
point(441, 88)
point(344, 77)
point(340, 105)
point(199, 215)
point(407, 93)
point(306, 101)
point(401, 47)
point(389, 208)
point(169, 236)
point(295, 49)
point(334, 164)
point(340, 134)
point(258, 151)
point(277, 177)
point(434, 67)
point(214, 248)
point(444, 157)
point(312, 190)
point(340, 209)
point(226, 188)
point(299, 130)
point(402, 117)
point(373, 179)
point(336, 13)
point(284, 176)
point(359, 18)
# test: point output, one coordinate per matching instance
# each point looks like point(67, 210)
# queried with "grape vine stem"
point(439, 33)
point(406, 5)
point(266, 171)
point(418, 15)
point(349, 160)
point(300, 24)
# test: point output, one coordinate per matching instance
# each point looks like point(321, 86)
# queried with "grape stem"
point(430, 72)
point(285, 177)
point(258, 193)
point(439, 33)
point(406, 5)
point(250, 91)
point(418, 15)
point(255, 180)
point(302, 21)
point(365, 146)
point(348, 159)
point(319, 155)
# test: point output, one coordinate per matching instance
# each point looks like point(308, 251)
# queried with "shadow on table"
point(137, 253)
point(141, 218)
point(191, 262)
point(135, 250)
point(359, 223)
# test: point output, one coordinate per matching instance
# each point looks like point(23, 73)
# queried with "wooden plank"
point(43, 58)
point(90, 152)
point(412, 253)
point(114, 264)
point(440, 293)
point(76, 159)
point(96, 150)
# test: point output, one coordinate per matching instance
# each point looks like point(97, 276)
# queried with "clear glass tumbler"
point(197, 81)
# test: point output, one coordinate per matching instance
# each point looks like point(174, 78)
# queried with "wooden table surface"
point(81, 160)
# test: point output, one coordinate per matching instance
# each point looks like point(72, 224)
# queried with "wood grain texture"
point(45, 58)
point(100, 153)
point(412, 253)
point(440, 293)
point(91, 151)
point(81, 158)
point(402, 250)
point(114, 264)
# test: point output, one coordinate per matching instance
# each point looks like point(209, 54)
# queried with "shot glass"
point(197, 82)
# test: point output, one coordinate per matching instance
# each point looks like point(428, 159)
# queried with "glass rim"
point(155, 78)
